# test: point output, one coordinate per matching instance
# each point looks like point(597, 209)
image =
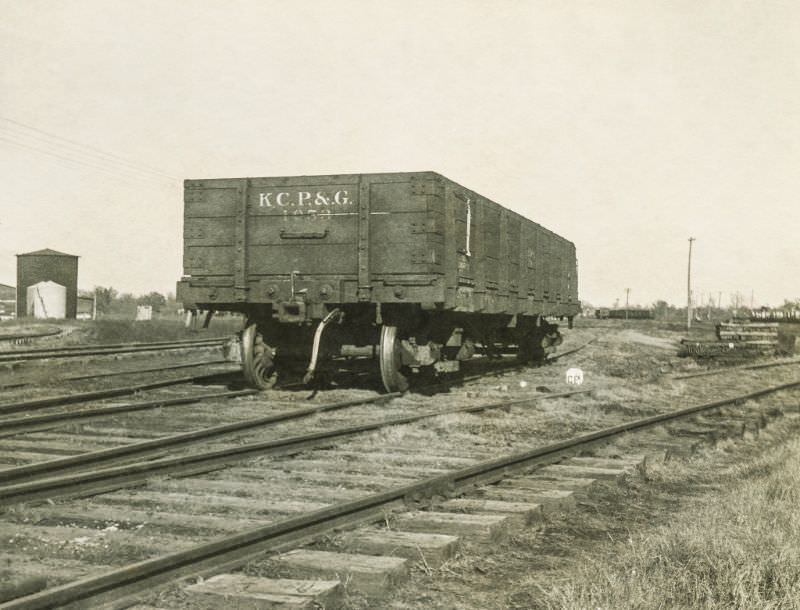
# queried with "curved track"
point(79, 397)
point(107, 349)
point(100, 459)
point(746, 367)
point(11, 428)
point(28, 337)
point(132, 464)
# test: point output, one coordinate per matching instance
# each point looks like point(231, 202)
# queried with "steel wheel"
point(258, 363)
point(533, 347)
point(391, 361)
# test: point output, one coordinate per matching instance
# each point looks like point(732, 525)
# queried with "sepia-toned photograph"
point(399, 305)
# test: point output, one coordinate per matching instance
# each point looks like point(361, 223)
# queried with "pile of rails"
point(740, 339)
point(758, 335)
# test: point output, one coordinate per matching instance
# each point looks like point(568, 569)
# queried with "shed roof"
point(47, 252)
point(46, 283)
point(7, 292)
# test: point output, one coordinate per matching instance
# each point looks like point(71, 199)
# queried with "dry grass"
point(107, 330)
point(739, 549)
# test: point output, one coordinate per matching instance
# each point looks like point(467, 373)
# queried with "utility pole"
point(689, 288)
point(627, 297)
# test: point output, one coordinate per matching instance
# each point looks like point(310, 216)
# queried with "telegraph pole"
point(689, 288)
point(627, 295)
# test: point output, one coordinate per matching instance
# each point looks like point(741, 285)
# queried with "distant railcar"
point(411, 267)
point(624, 314)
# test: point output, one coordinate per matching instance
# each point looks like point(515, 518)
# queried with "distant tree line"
point(662, 310)
point(111, 302)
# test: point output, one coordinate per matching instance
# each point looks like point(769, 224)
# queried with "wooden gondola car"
point(410, 267)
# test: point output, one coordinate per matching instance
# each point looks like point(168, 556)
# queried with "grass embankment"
point(736, 548)
point(120, 330)
point(108, 330)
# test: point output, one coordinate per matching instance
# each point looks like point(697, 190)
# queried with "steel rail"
point(60, 465)
point(18, 356)
point(20, 425)
point(744, 367)
point(115, 477)
point(571, 351)
point(66, 399)
point(118, 373)
point(24, 336)
point(73, 348)
point(231, 551)
point(170, 367)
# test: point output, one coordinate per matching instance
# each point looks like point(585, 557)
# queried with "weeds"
point(739, 551)
point(107, 330)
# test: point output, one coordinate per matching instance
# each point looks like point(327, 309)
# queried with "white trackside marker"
point(574, 376)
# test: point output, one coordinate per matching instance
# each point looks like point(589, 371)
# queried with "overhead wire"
point(53, 148)
point(25, 130)
point(118, 173)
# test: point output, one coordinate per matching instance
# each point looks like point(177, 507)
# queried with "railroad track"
point(41, 428)
point(55, 421)
point(104, 457)
point(12, 428)
point(108, 349)
point(745, 367)
point(278, 507)
point(126, 348)
point(347, 484)
point(38, 404)
point(19, 425)
point(37, 479)
point(293, 415)
point(16, 425)
point(24, 338)
point(22, 381)
point(105, 374)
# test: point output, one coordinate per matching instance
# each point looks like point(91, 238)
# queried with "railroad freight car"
point(410, 268)
point(604, 313)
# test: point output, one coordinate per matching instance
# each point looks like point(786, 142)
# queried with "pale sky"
point(624, 126)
